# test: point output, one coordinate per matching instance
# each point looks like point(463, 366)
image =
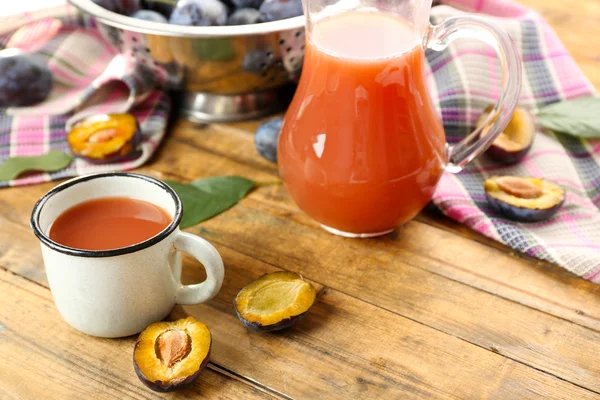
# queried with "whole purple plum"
point(199, 13)
point(274, 10)
point(244, 16)
point(24, 81)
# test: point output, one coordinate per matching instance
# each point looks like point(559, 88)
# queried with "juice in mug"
point(362, 147)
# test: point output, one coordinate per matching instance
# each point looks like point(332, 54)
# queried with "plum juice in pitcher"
point(368, 145)
point(362, 146)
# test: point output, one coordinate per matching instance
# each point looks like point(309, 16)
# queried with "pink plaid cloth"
point(466, 80)
point(90, 77)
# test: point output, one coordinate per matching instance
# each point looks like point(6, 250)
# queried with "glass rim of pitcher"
point(72, 251)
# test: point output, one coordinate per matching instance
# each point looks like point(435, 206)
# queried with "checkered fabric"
point(90, 77)
point(464, 80)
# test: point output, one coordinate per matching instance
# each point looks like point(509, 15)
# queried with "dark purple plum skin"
point(24, 81)
point(244, 16)
point(266, 138)
point(523, 214)
point(239, 4)
point(124, 7)
point(257, 61)
point(275, 10)
point(158, 386)
point(199, 13)
point(283, 324)
point(504, 156)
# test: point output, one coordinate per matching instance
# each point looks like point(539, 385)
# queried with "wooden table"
point(434, 311)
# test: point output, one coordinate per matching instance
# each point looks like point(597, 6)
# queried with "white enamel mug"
point(114, 293)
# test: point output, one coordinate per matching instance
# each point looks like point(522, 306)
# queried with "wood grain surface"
point(433, 311)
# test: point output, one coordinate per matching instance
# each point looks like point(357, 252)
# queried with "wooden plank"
point(391, 279)
point(406, 278)
point(497, 269)
point(344, 349)
point(542, 286)
point(538, 286)
point(41, 357)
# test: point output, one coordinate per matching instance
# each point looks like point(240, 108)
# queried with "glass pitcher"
point(362, 146)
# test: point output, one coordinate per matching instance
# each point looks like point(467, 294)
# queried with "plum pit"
point(172, 346)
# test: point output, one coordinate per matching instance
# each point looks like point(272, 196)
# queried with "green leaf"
point(579, 117)
point(205, 198)
point(52, 161)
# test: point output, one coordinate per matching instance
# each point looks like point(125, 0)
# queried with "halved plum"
point(274, 301)
point(524, 199)
point(516, 139)
point(104, 138)
point(171, 355)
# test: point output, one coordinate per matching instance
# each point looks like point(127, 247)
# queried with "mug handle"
point(474, 27)
point(210, 258)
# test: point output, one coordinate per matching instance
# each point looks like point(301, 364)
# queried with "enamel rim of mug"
point(35, 217)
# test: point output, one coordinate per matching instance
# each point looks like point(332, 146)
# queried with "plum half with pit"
point(274, 301)
point(24, 80)
point(199, 13)
point(171, 355)
point(104, 138)
point(516, 139)
point(524, 199)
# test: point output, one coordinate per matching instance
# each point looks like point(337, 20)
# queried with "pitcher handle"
point(468, 26)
